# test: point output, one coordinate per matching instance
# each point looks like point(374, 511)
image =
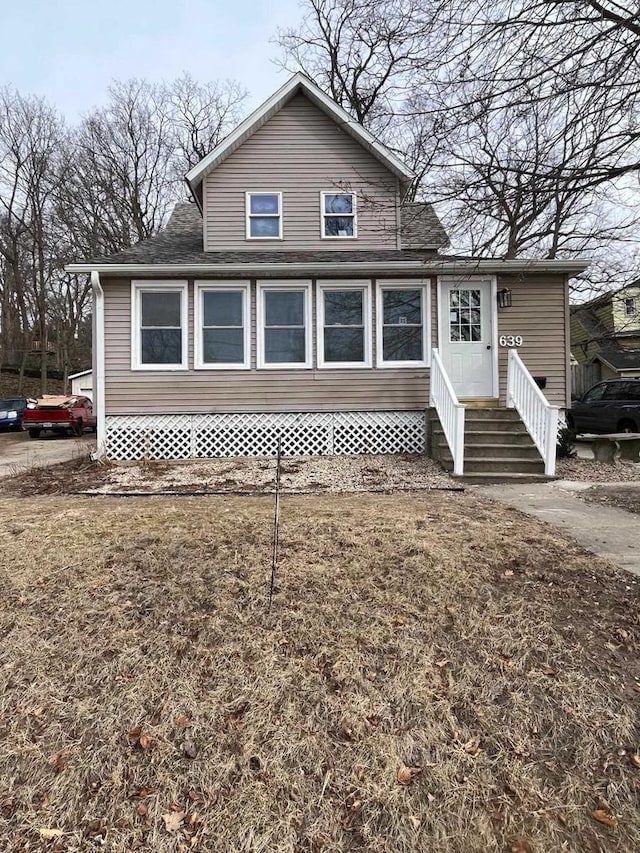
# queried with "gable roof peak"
point(299, 82)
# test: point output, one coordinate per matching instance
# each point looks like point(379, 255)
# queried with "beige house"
point(605, 336)
point(298, 297)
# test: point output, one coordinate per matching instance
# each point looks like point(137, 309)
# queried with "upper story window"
point(338, 215)
point(344, 323)
point(158, 325)
point(284, 325)
point(630, 308)
point(222, 326)
point(403, 324)
point(264, 216)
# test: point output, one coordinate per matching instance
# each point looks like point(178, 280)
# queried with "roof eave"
point(427, 266)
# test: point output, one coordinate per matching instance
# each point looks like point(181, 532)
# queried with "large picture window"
point(264, 216)
point(338, 215)
point(158, 326)
point(403, 318)
point(344, 322)
point(284, 325)
point(222, 325)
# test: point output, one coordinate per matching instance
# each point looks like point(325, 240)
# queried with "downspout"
point(98, 364)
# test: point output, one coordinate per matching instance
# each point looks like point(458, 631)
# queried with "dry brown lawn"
point(437, 674)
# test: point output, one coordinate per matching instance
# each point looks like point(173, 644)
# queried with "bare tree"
point(30, 138)
point(500, 108)
point(200, 116)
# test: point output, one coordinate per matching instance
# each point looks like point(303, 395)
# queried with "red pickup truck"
point(70, 415)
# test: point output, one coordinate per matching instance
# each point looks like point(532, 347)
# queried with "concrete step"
point(520, 438)
point(499, 465)
point(491, 414)
point(489, 451)
point(489, 479)
point(501, 451)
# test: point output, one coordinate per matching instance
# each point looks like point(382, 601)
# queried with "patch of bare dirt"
point(623, 497)
point(590, 471)
point(438, 672)
point(335, 474)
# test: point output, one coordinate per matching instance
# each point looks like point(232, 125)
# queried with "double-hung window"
point(222, 325)
point(630, 306)
point(344, 323)
point(159, 325)
point(264, 216)
point(403, 324)
point(338, 213)
point(284, 325)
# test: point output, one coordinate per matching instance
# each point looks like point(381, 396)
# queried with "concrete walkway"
point(608, 532)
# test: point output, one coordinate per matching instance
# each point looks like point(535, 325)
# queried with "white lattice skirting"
point(306, 434)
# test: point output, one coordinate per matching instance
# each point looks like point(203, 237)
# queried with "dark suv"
point(11, 412)
point(611, 406)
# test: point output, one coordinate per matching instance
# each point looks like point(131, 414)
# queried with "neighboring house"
point(82, 383)
point(605, 335)
point(299, 297)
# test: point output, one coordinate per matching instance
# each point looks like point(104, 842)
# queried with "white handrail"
point(451, 413)
point(538, 415)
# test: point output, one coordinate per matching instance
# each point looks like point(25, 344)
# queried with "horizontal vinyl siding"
point(299, 152)
point(538, 313)
point(212, 391)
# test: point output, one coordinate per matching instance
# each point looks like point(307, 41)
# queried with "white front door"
point(466, 337)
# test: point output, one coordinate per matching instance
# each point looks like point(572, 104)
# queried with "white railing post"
point(552, 441)
point(443, 399)
point(538, 415)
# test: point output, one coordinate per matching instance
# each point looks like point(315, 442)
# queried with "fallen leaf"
point(508, 573)
point(442, 662)
point(604, 817)
point(472, 747)
point(142, 793)
point(635, 760)
point(141, 809)
point(49, 834)
point(145, 742)
point(182, 721)
point(134, 734)
point(58, 761)
point(360, 774)
point(173, 821)
point(405, 774)
point(520, 846)
point(415, 822)
point(549, 670)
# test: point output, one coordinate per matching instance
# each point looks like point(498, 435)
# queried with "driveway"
point(19, 453)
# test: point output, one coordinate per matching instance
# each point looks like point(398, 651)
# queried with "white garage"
point(82, 383)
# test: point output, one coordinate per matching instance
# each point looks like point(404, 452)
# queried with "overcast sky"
point(70, 50)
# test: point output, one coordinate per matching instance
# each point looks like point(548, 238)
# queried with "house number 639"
point(510, 340)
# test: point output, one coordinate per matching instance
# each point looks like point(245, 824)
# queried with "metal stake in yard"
point(276, 524)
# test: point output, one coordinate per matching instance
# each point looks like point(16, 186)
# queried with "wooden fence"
point(583, 376)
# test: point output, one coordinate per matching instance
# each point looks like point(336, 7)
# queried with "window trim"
point(363, 285)
point(630, 302)
point(424, 285)
point(263, 287)
point(323, 216)
point(249, 215)
point(203, 286)
point(158, 286)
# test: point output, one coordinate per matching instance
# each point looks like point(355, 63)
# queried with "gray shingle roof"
point(420, 226)
point(619, 358)
point(181, 243)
